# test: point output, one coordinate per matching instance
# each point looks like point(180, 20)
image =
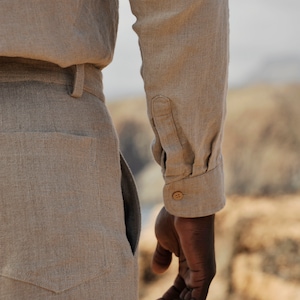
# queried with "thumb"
point(161, 259)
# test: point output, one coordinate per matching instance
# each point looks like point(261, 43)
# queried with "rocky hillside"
point(261, 142)
point(258, 233)
point(257, 251)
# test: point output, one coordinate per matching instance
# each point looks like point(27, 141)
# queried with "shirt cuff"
point(197, 196)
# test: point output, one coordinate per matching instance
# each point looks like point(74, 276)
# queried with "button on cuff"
point(203, 195)
point(177, 196)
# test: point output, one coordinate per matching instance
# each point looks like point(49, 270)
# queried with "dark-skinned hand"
point(192, 241)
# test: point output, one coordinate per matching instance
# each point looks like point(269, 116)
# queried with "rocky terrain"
point(258, 233)
point(257, 251)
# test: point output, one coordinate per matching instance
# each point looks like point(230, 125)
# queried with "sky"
point(264, 46)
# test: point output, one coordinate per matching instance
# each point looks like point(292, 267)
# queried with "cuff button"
point(177, 196)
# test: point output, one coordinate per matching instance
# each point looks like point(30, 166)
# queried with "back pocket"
point(53, 231)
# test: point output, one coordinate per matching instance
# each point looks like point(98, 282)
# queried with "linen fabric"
point(62, 194)
point(184, 46)
point(69, 212)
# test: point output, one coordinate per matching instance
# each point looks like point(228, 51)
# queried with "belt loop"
point(78, 81)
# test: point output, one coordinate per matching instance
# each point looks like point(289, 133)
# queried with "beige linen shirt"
point(184, 46)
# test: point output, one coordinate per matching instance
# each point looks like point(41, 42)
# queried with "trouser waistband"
point(77, 78)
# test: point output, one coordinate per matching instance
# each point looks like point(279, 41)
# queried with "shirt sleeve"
point(184, 47)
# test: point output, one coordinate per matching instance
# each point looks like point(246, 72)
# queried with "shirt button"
point(177, 196)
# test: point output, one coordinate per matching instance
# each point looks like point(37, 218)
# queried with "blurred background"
point(265, 46)
point(258, 233)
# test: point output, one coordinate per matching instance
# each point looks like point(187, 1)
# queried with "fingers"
point(192, 241)
point(165, 232)
point(161, 259)
point(197, 243)
point(196, 238)
point(199, 293)
point(179, 291)
point(167, 242)
point(193, 294)
point(175, 290)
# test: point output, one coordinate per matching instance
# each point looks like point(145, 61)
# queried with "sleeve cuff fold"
point(197, 196)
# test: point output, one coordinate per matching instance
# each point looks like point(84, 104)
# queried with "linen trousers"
point(69, 214)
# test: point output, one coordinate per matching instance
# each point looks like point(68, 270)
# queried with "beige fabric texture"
point(184, 46)
point(63, 231)
point(68, 227)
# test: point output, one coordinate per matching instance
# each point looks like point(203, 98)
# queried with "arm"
point(184, 46)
